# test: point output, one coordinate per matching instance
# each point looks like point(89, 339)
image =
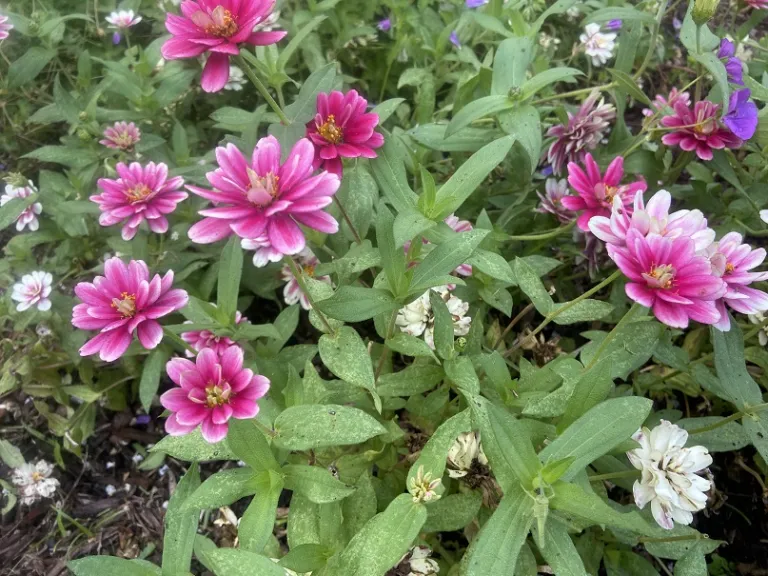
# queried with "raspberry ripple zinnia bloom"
point(210, 391)
point(140, 193)
point(28, 218)
point(121, 136)
point(33, 290)
point(583, 133)
point(667, 275)
point(598, 45)
point(5, 27)
point(121, 20)
point(201, 339)
point(218, 27)
point(698, 130)
point(596, 192)
point(292, 292)
point(343, 129)
point(669, 480)
point(660, 102)
point(122, 302)
point(732, 260)
point(266, 197)
point(551, 202)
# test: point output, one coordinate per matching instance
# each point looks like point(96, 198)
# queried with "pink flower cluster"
point(201, 339)
point(674, 265)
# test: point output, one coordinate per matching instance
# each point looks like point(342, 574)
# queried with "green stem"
point(177, 340)
point(74, 522)
point(347, 220)
point(614, 475)
point(675, 538)
point(738, 415)
point(578, 92)
point(256, 81)
point(300, 279)
point(543, 236)
point(390, 333)
point(652, 46)
point(608, 339)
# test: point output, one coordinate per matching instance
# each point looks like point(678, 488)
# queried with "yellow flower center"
point(223, 23)
point(705, 126)
point(263, 189)
point(138, 193)
point(124, 140)
point(216, 395)
point(126, 304)
point(729, 268)
point(610, 192)
point(664, 275)
point(330, 131)
point(309, 270)
point(36, 476)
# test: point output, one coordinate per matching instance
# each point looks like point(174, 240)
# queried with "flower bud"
point(16, 180)
point(703, 11)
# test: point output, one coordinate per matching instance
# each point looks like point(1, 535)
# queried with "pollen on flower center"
point(729, 268)
point(309, 270)
point(263, 189)
point(330, 131)
point(706, 126)
point(126, 304)
point(660, 276)
point(217, 395)
point(220, 23)
point(36, 476)
point(138, 193)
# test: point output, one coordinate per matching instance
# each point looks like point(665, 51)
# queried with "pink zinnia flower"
point(211, 390)
point(141, 193)
point(267, 197)
point(201, 339)
point(5, 27)
point(292, 292)
point(698, 129)
point(121, 136)
point(33, 290)
point(757, 4)
point(667, 275)
point(732, 261)
point(583, 132)
point(652, 219)
point(217, 27)
point(28, 218)
point(660, 102)
point(596, 192)
point(343, 129)
point(122, 302)
point(551, 202)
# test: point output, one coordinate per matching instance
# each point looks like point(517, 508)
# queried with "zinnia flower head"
point(28, 218)
point(757, 4)
point(741, 118)
point(217, 27)
point(667, 275)
point(122, 302)
point(121, 136)
point(417, 318)
point(466, 450)
point(653, 219)
point(264, 252)
point(210, 391)
point(551, 202)
point(34, 481)
point(422, 487)
point(343, 129)
point(596, 191)
point(698, 130)
point(583, 133)
point(140, 193)
point(265, 196)
point(120, 21)
point(33, 290)
point(732, 260)
point(660, 102)
point(727, 52)
point(5, 27)
point(200, 339)
point(598, 45)
point(669, 480)
point(417, 562)
point(292, 292)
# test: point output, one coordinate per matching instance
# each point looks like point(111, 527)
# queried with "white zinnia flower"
point(669, 480)
point(417, 318)
point(418, 561)
point(465, 450)
point(122, 19)
point(759, 318)
point(422, 487)
point(236, 79)
point(597, 45)
point(34, 481)
point(28, 217)
point(269, 23)
point(33, 290)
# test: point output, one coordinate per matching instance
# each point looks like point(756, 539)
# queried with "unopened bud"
point(16, 180)
point(703, 11)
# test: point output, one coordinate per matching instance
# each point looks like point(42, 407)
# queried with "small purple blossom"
point(727, 52)
point(454, 38)
point(143, 419)
point(475, 3)
point(385, 25)
point(677, 23)
point(116, 37)
point(742, 115)
point(613, 25)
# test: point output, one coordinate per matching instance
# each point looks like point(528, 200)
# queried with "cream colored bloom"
point(669, 480)
point(417, 318)
point(465, 450)
point(759, 318)
point(598, 45)
point(34, 481)
point(422, 487)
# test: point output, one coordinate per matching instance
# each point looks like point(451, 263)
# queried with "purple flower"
point(613, 25)
point(742, 115)
point(677, 23)
point(727, 52)
point(116, 37)
point(475, 3)
point(547, 170)
point(385, 25)
point(454, 38)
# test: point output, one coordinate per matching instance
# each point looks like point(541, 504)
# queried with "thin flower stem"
point(614, 475)
point(390, 333)
point(543, 236)
point(578, 92)
point(177, 340)
point(72, 521)
point(256, 81)
point(738, 415)
point(612, 334)
point(300, 280)
point(347, 220)
point(652, 45)
point(511, 325)
point(675, 538)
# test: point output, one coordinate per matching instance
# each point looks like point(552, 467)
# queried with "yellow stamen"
point(138, 193)
point(729, 268)
point(216, 395)
point(224, 24)
point(126, 304)
point(330, 131)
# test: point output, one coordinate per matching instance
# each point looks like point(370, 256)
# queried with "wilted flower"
point(597, 45)
point(121, 20)
point(669, 480)
point(292, 292)
point(741, 118)
point(236, 79)
point(122, 302)
point(34, 481)
point(758, 318)
point(417, 317)
point(422, 487)
point(596, 192)
point(121, 136)
point(211, 390)
point(667, 275)
point(266, 197)
point(217, 27)
point(140, 193)
point(727, 52)
point(384, 25)
point(200, 339)
point(5, 27)
point(33, 290)
point(583, 132)
point(697, 129)
point(343, 129)
point(416, 562)
point(551, 202)
point(732, 261)
point(466, 450)
point(28, 218)
point(660, 102)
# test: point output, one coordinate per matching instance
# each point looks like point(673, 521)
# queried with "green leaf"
point(258, 522)
point(442, 331)
point(193, 447)
point(150, 376)
point(593, 387)
point(492, 264)
point(432, 456)
point(470, 175)
point(296, 41)
point(415, 379)
point(559, 7)
point(547, 77)
point(410, 224)
point(598, 432)
point(389, 171)
point(487, 106)
point(103, 565)
point(496, 548)
point(247, 331)
point(355, 303)
point(408, 345)
point(445, 258)
point(466, 140)
point(524, 125)
point(311, 426)
point(230, 270)
point(532, 286)
point(559, 550)
point(628, 85)
point(462, 373)
point(10, 455)
point(728, 437)
point(509, 67)
point(12, 209)
point(248, 443)
point(731, 367)
point(626, 563)
point(303, 109)
point(453, 512)
point(359, 507)
point(692, 564)
point(584, 311)
point(222, 489)
point(306, 558)
point(677, 549)
point(237, 562)
point(180, 526)
point(392, 257)
point(345, 354)
point(688, 32)
point(507, 445)
point(714, 66)
point(316, 484)
point(26, 68)
point(624, 13)
point(387, 108)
